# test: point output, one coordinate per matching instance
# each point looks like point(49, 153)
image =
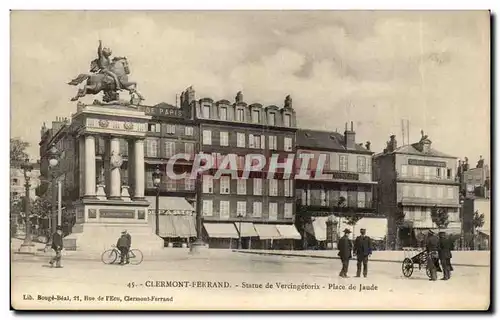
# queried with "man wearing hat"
point(57, 245)
point(345, 248)
point(445, 247)
point(362, 249)
point(432, 247)
point(123, 244)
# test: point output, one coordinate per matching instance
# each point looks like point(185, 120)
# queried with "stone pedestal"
point(101, 218)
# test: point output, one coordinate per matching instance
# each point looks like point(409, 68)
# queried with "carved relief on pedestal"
point(92, 213)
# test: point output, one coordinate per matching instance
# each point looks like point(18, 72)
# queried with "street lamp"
point(27, 246)
point(53, 155)
point(461, 213)
point(157, 182)
point(239, 216)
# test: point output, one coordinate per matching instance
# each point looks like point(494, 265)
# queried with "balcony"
point(416, 201)
point(425, 178)
point(174, 185)
point(333, 205)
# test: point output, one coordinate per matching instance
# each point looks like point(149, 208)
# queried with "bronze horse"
point(97, 82)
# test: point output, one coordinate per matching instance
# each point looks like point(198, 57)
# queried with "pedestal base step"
point(100, 237)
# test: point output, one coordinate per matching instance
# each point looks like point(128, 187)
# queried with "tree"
point(18, 149)
point(440, 217)
point(477, 223)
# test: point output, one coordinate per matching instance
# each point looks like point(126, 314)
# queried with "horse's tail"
point(79, 79)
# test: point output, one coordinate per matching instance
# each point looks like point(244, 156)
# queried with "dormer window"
point(223, 113)
point(287, 121)
point(240, 115)
point(206, 112)
point(271, 119)
point(256, 116)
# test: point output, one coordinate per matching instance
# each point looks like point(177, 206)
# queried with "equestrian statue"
point(107, 75)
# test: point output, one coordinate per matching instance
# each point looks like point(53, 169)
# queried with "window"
point(288, 187)
point(240, 115)
point(224, 209)
point(169, 149)
point(257, 209)
point(273, 211)
point(273, 145)
point(189, 147)
point(15, 181)
point(271, 119)
point(440, 192)
point(225, 183)
point(406, 191)
point(273, 187)
point(152, 147)
point(361, 199)
point(207, 208)
point(208, 184)
point(241, 209)
point(206, 112)
point(189, 184)
point(188, 131)
point(240, 140)
point(414, 171)
point(343, 162)
point(223, 113)
point(224, 139)
point(257, 186)
point(428, 174)
point(449, 173)
point(170, 128)
point(287, 144)
point(419, 191)
point(171, 185)
point(154, 127)
point(241, 186)
point(256, 116)
point(287, 121)
point(428, 192)
point(404, 170)
point(288, 210)
point(450, 192)
point(361, 164)
point(207, 137)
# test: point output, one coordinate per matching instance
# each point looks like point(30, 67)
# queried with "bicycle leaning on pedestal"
point(113, 255)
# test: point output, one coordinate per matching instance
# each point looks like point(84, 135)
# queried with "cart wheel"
point(427, 272)
point(407, 267)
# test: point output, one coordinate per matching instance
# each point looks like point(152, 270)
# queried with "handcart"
point(414, 258)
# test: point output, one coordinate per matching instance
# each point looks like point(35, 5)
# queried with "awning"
point(485, 232)
point(319, 227)
point(174, 226)
point(247, 229)
point(288, 231)
point(173, 205)
point(221, 230)
point(267, 231)
point(376, 228)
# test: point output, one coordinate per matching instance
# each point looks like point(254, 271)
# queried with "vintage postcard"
point(250, 160)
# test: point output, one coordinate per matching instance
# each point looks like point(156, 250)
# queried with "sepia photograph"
point(276, 160)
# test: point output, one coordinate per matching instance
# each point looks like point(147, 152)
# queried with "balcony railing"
point(334, 203)
point(424, 177)
point(174, 185)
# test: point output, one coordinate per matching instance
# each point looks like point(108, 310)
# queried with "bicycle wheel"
point(109, 256)
point(135, 256)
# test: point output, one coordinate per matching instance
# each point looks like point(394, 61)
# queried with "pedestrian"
point(57, 245)
point(123, 244)
point(432, 247)
point(345, 252)
point(445, 247)
point(362, 249)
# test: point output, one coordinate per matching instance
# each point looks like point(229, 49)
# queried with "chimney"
point(349, 137)
point(393, 144)
point(367, 145)
point(190, 93)
point(239, 97)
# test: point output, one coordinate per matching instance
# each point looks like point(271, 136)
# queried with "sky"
point(374, 68)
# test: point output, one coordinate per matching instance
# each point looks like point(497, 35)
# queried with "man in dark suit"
point(57, 245)
point(445, 247)
point(345, 252)
point(432, 247)
point(362, 249)
point(123, 244)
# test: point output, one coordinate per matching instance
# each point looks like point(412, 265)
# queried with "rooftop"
point(328, 140)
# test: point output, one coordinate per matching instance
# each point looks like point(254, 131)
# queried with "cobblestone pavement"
point(190, 282)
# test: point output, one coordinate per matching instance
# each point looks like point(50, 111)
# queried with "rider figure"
point(104, 63)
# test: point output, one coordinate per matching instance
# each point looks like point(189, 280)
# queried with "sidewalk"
point(460, 258)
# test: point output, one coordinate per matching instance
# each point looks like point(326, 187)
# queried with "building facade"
point(257, 211)
point(413, 180)
point(337, 184)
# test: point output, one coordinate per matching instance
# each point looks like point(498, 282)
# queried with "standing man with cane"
point(57, 245)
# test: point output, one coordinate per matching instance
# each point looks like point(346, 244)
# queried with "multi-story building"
point(412, 180)
point(338, 183)
point(259, 209)
point(475, 182)
point(17, 182)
